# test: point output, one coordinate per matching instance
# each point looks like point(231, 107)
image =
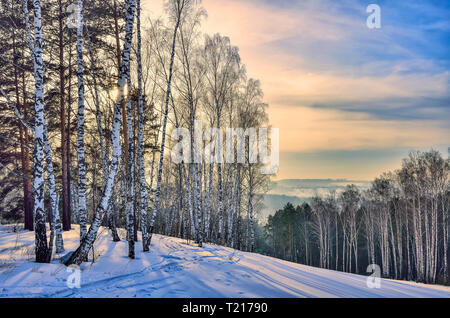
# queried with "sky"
point(350, 102)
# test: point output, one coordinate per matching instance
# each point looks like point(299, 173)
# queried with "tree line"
point(400, 223)
point(90, 95)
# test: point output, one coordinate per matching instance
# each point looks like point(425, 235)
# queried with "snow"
point(174, 268)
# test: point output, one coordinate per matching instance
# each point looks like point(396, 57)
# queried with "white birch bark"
point(445, 227)
point(82, 209)
point(235, 203)
point(42, 137)
point(250, 208)
point(205, 202)
point(220, 238)
point(198, 208)
point(208, 205)
point(130, 176)
point(41, 249)
point(230, 204)
point(190, 203)
point(143, 203)
point(52, 232)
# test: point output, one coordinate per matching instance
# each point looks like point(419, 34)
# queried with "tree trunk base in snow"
point(116, 237)
point(114, 234)
point(131, 253)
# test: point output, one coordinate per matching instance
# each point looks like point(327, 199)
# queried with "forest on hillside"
point(401, 223)
point(90, 93)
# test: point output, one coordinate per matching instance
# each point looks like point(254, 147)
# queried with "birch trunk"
point(236, 203)
point(220, 237)
point(398, 227)
point(189, 199)
point(198, 208)
point(336, 240)
point(130, 177)
point(230, 204)
point(204, 200)
point(72, 203)
point(408, 253)
point(208, 204)
point(427, 256)
point(250, 209)
point(41, 249)
point(82, 210)
point(445, 238)
point(143, 204)
point(393, 246)
point(42, 139)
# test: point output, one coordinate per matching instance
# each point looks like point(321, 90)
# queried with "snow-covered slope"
point(175, 268)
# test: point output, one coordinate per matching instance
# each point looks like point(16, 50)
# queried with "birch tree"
point(42, 146)
point(82, 209)
point(130, 176)
point(253, 115)
point(143, 203)
point(39, 127)
point(221, 62)
point(176, 10)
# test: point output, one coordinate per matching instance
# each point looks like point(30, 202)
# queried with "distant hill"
point(297, 191)
point(274, 202)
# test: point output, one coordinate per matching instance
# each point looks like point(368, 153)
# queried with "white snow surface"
point(175, 268)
